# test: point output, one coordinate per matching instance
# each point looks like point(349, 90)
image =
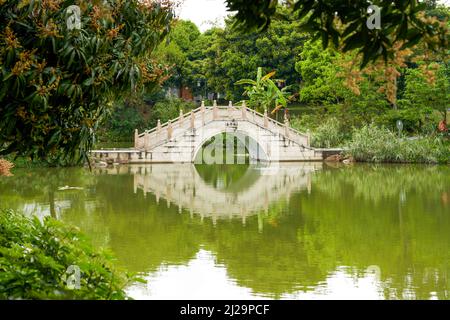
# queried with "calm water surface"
point(299, 231)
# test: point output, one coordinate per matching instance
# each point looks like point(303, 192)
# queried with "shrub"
point(415, 120)
point(305, 122)
point(5, 167)
point(35, 255)
point(168, 109)
point(138, 112)
point(378, 144)
point(124, 118)
point(327, 134)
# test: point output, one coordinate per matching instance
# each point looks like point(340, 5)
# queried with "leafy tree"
point(169, 109)
point(319, 73)
point(275, 49)
point(58, 82)
point(263, 92)
point(425, 92)
point(218, 58)
point(344, 23)
point(176, 52)
point(351, 96)
point(125, 117)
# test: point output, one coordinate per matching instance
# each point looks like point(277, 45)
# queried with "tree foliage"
point(57, 82)
point(263, 93)
point(427, 92)
point(344, 23)
point(35, 255)
point(176, 52)
point(217, 58)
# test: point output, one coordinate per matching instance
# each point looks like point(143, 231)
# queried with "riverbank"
point(375, 144)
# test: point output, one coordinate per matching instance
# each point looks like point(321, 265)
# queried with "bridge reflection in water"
point(232, 192)
point(361, 231)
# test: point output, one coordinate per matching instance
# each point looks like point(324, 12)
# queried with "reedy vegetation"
point(374, 143)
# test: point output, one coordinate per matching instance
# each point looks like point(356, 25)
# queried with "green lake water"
point(293, 231)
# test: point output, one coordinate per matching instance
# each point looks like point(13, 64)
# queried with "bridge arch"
point(251, 141)
point(180, 140)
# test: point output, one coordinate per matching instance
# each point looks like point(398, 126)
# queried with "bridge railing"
point(172, 128)
point(162, 132)
point(289, 132)
point(166, 124)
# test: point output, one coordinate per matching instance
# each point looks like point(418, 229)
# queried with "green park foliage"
point(62, 87)
point(218, 59)
point(58, 81)
point(36, 255)
point(140, 113)
point(374, 144)
point(263, 93)
point(324, 19)
point(213, 61)
point(328, 134)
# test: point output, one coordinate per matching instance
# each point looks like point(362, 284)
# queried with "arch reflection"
point(220, 191)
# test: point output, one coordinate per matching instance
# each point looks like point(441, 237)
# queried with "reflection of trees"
point(407, 238)
point(142, 234)
point(41, 185)
point(272, 262)
point(391, 217)
point(397, 223)
point(377, 182)
point(233, 178)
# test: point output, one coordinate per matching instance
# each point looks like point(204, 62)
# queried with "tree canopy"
point(214, 60)
point(344, 23)
point(58, 81)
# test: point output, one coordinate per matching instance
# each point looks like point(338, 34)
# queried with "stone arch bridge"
point(180, 140)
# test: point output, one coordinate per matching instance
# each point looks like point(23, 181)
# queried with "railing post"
point(181, 117)
point(192, 120)
point(136, 138)
point(286, 125)
point(230, 107)
point(244, 110)
point(158, 126)
point(215, 115)
point(266, 119)
point(202, 111)
point(169, 130)
point(146, 141)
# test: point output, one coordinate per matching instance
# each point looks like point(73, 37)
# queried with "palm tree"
point(263, 93)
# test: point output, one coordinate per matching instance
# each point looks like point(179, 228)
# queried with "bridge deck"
point(135, 156)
